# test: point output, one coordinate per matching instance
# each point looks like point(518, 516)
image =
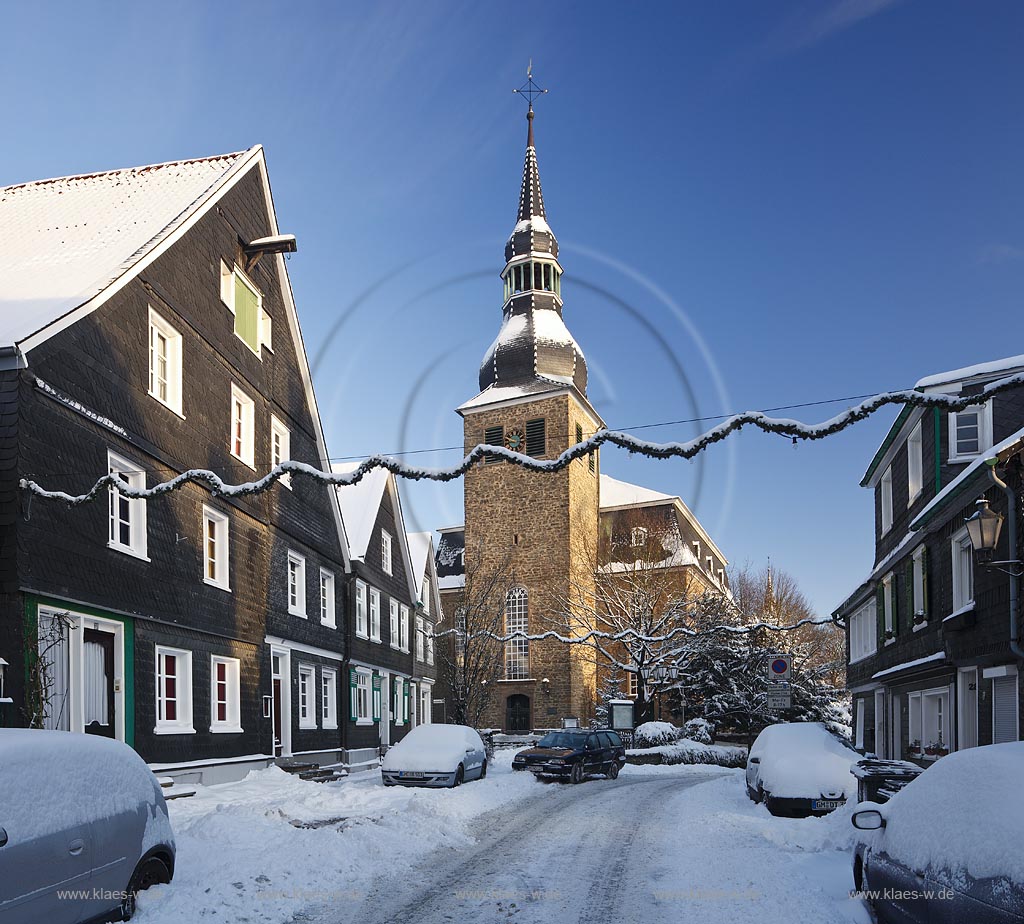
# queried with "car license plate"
point(825, 805)
point(409, 775)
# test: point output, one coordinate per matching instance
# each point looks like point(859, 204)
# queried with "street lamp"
point(984, 526)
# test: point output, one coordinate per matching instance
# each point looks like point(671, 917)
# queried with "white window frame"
point(403, 627)
point(394, 617)
point(227, 296)
point(915, 731)
point(296, 584)
point(328, 697)
point(243, 427)
point(306, 700)
point(424, 704)
point(962, 557)
point(426, 591)
point(399, 693)
point(364, 696)
point(232, 723)
point(117, 504)
point(984, 412)
point(361, 619)
point(386, 547)
point(517, 619)
point(638, 536)
point(885, 490)
point(859, 706)
point(915, 465)
point(429, 641)
point(918, 575)
point(327, 607)
point(182, 723)
point(172, 360)
point(280, 446)
point(887, 592)
point(863, 632)
point(937, 699)
point(374, 614)
point(222, 548)
point(420, 648)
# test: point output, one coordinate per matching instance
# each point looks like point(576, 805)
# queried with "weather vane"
point(530, 89)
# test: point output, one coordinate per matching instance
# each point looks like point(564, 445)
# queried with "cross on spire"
point(530, 89)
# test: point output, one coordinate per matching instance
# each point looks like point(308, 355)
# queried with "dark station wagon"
point(574, 754)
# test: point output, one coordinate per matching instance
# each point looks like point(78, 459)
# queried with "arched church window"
point(538, 282)
point(517, 650)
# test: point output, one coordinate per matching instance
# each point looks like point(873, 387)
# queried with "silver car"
point(83, 828)
point(436, 755)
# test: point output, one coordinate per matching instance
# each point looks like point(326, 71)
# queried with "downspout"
point(1011, 527)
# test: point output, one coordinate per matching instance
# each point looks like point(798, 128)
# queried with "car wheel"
point(483, 770)
point(460, 776)
point(752, 795)
point(576, 774)
point(773, 806)
point(150, 872)
point(613, 770)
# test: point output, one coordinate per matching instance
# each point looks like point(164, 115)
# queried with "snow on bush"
point(654, 734)
point(684, 751)
point(699, 730)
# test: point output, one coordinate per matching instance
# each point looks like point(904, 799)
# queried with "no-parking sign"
point(780, 667)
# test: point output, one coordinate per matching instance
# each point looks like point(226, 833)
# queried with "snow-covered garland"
point(685, 450)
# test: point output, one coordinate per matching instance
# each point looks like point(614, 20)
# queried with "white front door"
point(897, 727)
point(385, 710)
point(880, 739)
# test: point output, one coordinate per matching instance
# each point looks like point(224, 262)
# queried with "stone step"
point(299, 768)
point(322, 776)
point(178, 792)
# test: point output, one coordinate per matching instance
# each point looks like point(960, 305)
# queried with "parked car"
point(83, 828)
point(436, 755)
point(799, 769)
point(946, 847)
point(574, 754)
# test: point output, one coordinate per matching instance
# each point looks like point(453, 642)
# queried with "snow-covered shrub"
point(685, 751)
point(699, 730)
point(654, 734)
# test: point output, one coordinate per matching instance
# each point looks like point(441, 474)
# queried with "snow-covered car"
point(799, 769)
point(83, 828)
point(947, 845)
point(436, 755)
point(574, 754)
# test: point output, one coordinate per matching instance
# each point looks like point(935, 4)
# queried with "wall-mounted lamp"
point(545, 686)
point(275, 243)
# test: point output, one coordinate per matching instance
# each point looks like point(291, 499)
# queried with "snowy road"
point(675, 845)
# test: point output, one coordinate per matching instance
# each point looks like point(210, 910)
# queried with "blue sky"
point(759, 204)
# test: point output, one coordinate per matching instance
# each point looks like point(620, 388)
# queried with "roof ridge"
point(187, 161)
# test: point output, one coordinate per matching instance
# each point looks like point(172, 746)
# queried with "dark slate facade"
point(928, 654)
point(83, 394)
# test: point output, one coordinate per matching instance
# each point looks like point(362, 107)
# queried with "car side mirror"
point(470, 750)
point(755, 760)
point(3, 838)
point(868, 820)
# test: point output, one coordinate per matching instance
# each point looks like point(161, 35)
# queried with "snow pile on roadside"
point(686, 751)
point(264, 848)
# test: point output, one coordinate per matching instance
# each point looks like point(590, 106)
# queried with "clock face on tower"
point(514, 440)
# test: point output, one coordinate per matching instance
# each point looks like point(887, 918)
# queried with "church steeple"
point(534, 346)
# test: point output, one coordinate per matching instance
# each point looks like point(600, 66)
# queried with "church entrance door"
point(517, 714)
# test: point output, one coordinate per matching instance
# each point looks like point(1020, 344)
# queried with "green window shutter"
point(895, 596)
point(924, 581)
point(494, 436)
point(353, 693)
point(247, 314)
point(880, 613)
point(536, 443)
point(376, 697)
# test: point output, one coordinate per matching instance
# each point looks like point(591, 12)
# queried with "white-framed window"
point(374, 614)
point(403, 628)
point(914, 721)
point(307, 696)
point(928, 725)
point(252, 324)
point(225, 698)
point(394, 640)
point(860, 704)
point(517, 650)
point(424, 704)
point(425, 593)
point(888, 591)
point(721, 577)
point(329, 698)
point(385, 551)
point(863, 632)
point(361, 609)
point(242, 440)
point(915, 465)
point(963, 570)
point(296, 584)
point(696, 550)
point(398, 693)
point(280, 446)
point(327, 616)
point(216, 554)
point(363, 680)
point(920, 586)
point(632, 683)
point(638, 536)
point(709, 566)
point(885, 493)
point(429, 642)
point(970, 432)
point(173, 692)
point(164, 362)
point(126, 516)
point(420, 652)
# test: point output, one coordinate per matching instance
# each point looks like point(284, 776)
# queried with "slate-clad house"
point(929, 660)
point(384, 673)
point(148, 328)
point(427, 620)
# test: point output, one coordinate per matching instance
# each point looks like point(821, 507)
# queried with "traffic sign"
point(780, 667)
point(780, 699)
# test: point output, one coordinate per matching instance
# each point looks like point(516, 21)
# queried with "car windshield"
point(561, 740)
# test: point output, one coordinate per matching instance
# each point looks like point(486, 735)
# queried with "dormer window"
point(638, 537)
point(970, 432)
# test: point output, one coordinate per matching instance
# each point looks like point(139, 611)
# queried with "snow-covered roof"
point(615, 493)
point(493, 394)
point(64, 240)
point(419, 552)
point(980, 370)
point(907, 665)
point(360, 503)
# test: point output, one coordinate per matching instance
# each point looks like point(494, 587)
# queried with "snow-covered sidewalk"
point(264, 848)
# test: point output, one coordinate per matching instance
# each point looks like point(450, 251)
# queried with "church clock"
point(515, 440)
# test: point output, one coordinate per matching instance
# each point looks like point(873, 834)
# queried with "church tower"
point(533, 399)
